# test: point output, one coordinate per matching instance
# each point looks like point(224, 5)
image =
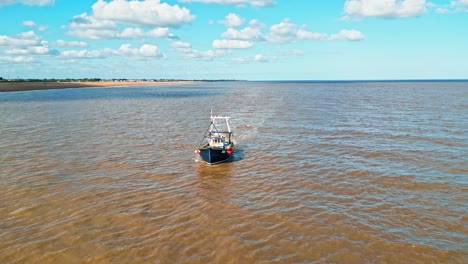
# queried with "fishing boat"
point(217, 143)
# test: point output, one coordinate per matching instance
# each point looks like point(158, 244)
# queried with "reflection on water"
point(348, 172)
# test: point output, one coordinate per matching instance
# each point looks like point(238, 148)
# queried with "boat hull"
point(214, 156)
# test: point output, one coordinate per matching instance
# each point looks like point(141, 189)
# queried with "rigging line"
point(199, 144)
point(214, 126)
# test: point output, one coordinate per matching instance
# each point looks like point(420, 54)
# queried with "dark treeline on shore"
point(52, 80)
point(107, 80)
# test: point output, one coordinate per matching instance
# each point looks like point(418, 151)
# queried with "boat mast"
point(227, 123)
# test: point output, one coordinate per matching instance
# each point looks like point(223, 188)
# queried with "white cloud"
point(42, 27)
point(353, 35)
point(182, 47)
point(143, 13)
point(31, 50)
point(234, 2)
point(27, 2)
point(231, 44)
point(453, 6)
point(385, 8)
point(28, 38)
point(187, 52)
point(85, 54)
point(172, 36)
point(251, 32)
point(131, 33)
point(286, 32)
point(85, 26)
point(158, 32)
point(29, 23)
point(249, 59)
point(18, 59)
point(460, 5)
point(302, 34)
point(233, 20)
point(146, 50)
point(283, 32)
point(442, 10)
point(205, 55)
point(24, 45)
point(260, 58)
point(126, 50)
point(63, 43)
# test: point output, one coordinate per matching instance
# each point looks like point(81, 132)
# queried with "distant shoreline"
point(17, 86)
point(46, 85)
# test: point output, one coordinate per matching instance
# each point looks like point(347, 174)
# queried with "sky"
point(234, 39)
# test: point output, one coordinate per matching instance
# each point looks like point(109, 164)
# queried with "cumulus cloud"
point(182, 47)
point(17, 59)
point(146, 51)
point(107, 19)
point(160, 32)
point(85, 26)
point(86, 54)
point(130, 33)
point(255, 58)
point(234, 2)
point(187, 52)
point(286, 32)
point(252, 32)
point(207, 55)
point(42, 27)
point(23, 46)
point(460, 5)
point(142, 13)
point(283, 32)
point(231, 44)
point(26, 43)
point(233, 20)
point(28, 38)
point(30, 50)
point(27, 2)
point(385, 9)
point(63, 43)
point(345, 34)
point(29, 23)
point(138, 32)
point(452, 7)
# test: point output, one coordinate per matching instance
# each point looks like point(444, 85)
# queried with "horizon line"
point(235, 80)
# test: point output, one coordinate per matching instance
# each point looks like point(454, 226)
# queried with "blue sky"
point(234, 39)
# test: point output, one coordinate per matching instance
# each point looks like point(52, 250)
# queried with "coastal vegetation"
point(89, 80)
point(14, 85)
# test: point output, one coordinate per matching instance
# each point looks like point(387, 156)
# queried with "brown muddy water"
point(333, 172)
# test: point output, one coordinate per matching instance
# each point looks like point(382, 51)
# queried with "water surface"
point(336, 172)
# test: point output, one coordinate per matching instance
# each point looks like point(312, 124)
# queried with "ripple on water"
point(324, 173)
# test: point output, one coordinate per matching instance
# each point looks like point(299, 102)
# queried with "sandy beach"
point(28, 86)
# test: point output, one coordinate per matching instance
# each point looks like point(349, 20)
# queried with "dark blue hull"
point(214, 156)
